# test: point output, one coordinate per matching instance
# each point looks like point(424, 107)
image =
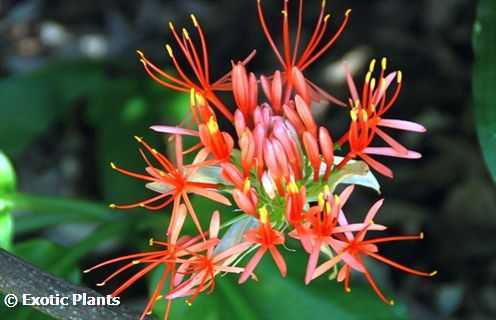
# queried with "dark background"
point(448, 193)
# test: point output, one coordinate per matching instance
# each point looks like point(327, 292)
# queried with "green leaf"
point(484, 80)
point(7, 185)
point(31, 102)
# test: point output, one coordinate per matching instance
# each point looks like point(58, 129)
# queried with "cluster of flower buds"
point(280, 169)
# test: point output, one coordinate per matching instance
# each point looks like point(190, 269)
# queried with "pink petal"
point(252, 264)
point(326, 266)
point(373, 211)
point(233, 251)
point(312, 261)
point(351, 83)
point(392, 142)
point(212, 195)
point(178, 222)
point(174, 130)
point(390, 152)
point(355, 227)
point(345, 195)
point(402, 125)
point(353, 262)
point(387, 82)
point(213, 231)
point(376, 165)
point(344, 222)
point(279, 260)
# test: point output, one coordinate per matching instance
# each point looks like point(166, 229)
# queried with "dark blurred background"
point(78, 61)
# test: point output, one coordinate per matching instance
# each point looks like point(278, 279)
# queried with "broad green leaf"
point(484, 80)
point(6, 228)
point(7, 186)
point(7, 175)
point(30, 103)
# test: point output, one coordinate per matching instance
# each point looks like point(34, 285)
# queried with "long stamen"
point(377, 290)
point(204, 48)
point(285, 32)
point(400, 266)
point(331, 41)
point(201, 75)
point(298, 31)
point(267, 33)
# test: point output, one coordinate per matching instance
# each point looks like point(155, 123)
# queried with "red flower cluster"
point(281, 169)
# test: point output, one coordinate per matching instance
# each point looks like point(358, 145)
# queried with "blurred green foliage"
point(484, 80)
point(7, 185)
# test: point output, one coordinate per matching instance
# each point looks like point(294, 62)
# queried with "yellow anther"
point(112, 206)
point(284, 13)
point(292, 187)
point(367, 77)
point(113, 166)
point(348, 290)
point(320, 200)
point(384, 63)
point(246, 185)
point(171, 25)
point(327, 191)
point(151, 242)
point(399, 77)
point(357, 103)
point(421, 235)
point(139, 139)
point(159, 297)
point(185, 33)
point(101, 284)
point(154, 151)
point(86, 271)
point(372, 84)
point(135, 262)
point(195, 22)
point(264, 214)
point(391, 302)
point(433, 273)
point(383, 84)
point(354, 115)
point(188, 303)
point(327, 207)
point(169, 50)
point(192, 93)
point(365, 116)
point(141, 205)
point(212, 125)
point(200, 99)
point(337, 199)
point(347, 13)
point(323, 3)
point(149, 313)
point(327, 17)
point(372, 65)
point(140, 53)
